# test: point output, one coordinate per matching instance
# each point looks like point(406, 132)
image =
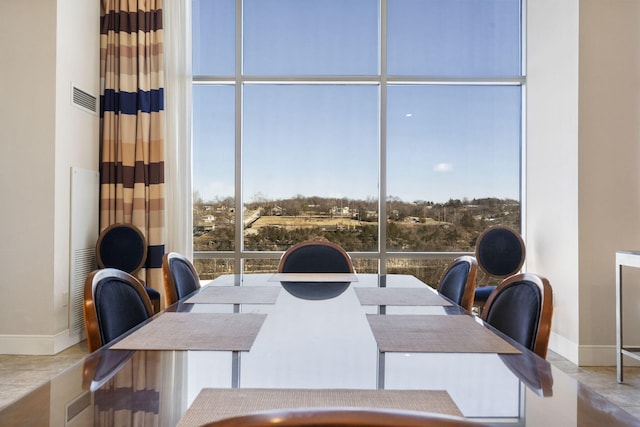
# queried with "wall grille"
point(84, 233)
point(84, 262)
point(84, 100)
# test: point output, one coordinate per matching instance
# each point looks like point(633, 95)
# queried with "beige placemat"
point(215, 404)
point(399, 296)
point(435, 334)
point(195, 331)
point(236, 295)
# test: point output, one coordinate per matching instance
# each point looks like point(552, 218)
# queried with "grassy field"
point(293, 222)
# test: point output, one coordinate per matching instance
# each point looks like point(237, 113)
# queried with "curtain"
point(178, 80)
point(132, 124)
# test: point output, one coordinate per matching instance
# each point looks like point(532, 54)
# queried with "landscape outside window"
point(392, 128)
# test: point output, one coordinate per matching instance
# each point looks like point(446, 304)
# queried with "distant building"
point(277, 211)
point(208, 218)
point(344, 211)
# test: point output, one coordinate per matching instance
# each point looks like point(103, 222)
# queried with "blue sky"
point(443, 141)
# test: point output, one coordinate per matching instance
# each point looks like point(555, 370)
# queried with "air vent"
point(84, 225)
point(84, 100)
point(83, 263)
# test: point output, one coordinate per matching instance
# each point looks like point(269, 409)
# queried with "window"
point(390, 127)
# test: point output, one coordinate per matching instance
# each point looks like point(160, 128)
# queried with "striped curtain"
point(132, 124)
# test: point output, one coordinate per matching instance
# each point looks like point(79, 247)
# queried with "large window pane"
point(213, 37)
point(310, 37)
point(313, 97)
point(213, 167)
point(310, 165)
point(454, 37)
point(453, 159)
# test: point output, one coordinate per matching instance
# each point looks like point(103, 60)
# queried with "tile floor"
point(21, 374)
point(603, 380)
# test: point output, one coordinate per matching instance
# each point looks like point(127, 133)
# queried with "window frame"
point(382, 81)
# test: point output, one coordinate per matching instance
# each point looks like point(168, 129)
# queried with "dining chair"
point(180, 277)
point(458, 282)
point(315, 256)
point(500, 252)
point(123, 246)
point(343, 417)
point(114, 302)
point(521, 307)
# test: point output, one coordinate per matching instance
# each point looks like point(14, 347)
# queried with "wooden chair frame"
point(170, 287)
point(470, 286)
point(92, 325)
point(343, 417)
point(295, 247)
point(543, 330)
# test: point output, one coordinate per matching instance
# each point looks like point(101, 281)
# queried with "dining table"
point(244, 343)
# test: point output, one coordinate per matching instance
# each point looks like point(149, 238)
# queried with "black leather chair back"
point(121, 246)
point(114, 302)
point(454, 281)
point(500, 251)
point(315, 257)
point(183, 277)
point(119, 307)
point(515, 311)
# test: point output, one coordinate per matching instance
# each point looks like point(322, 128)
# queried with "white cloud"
point(443, 167)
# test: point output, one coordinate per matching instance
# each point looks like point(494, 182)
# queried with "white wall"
point(45, 45)
point(552, 161)
point(76, 134)
point(583, 191)
point(609, 190)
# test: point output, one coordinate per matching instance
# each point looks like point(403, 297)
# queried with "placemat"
point(236, 295)
point(435, 334)
point(399, 296)
point(195, 331)
point(216, 404)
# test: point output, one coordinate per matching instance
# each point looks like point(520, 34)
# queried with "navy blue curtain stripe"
point(130, 103)
point(154, 256)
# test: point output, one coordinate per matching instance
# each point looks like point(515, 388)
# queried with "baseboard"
point(597, 355)
point(43, 345)
point(586, 355)
point(564, 347)
point(602, 355)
